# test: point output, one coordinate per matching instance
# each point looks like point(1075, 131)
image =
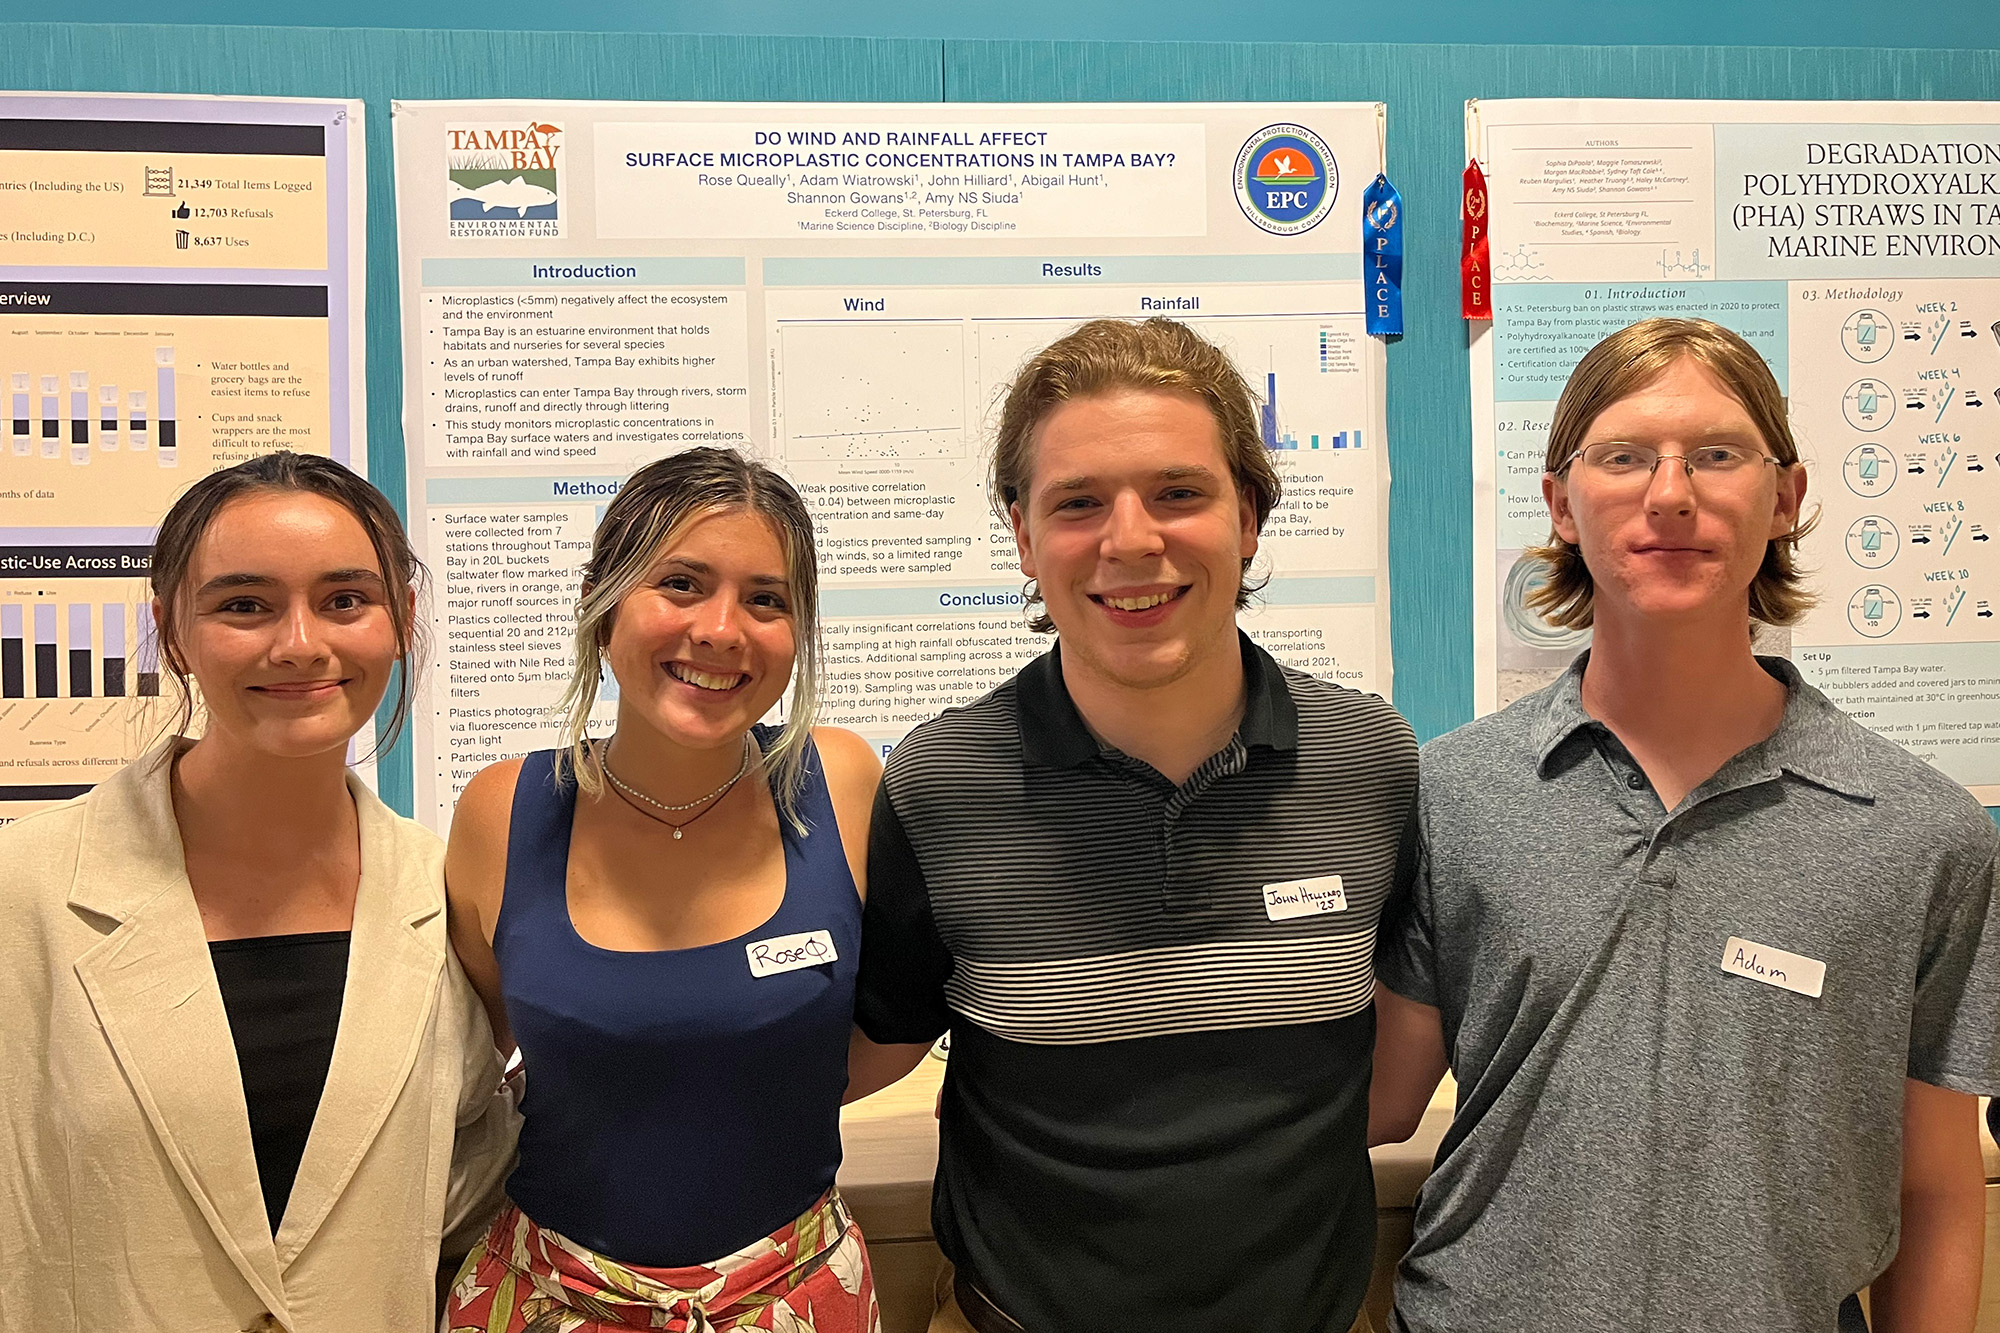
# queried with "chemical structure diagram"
point(1520, 264)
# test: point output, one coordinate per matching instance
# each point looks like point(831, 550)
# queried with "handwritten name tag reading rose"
point(789, 953)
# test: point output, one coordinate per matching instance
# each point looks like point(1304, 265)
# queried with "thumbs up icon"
point(182, 211)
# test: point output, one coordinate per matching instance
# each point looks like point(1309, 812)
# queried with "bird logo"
point(1282, 166)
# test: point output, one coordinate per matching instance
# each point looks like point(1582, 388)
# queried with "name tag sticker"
point(1304, 897)
point(1774, 967)
point(789, 953)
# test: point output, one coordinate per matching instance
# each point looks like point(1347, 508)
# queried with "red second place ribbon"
point(1474, 270)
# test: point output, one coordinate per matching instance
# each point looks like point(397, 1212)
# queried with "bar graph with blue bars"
point(1282, 441)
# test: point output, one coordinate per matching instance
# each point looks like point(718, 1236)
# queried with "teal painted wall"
point(1863, 23)
point(1424, 85)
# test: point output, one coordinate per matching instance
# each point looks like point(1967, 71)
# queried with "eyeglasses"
point(1614, 462)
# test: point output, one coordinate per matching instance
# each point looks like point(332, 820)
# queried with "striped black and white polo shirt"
point(1156, 1108)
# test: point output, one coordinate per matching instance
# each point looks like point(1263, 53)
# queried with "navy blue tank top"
point(681, 1104)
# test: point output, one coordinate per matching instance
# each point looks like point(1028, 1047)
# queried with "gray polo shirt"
point(1644, 1140)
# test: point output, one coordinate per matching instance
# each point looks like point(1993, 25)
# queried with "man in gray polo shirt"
point(1714, 966)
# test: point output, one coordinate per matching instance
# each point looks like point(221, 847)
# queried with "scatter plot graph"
point(869, 390)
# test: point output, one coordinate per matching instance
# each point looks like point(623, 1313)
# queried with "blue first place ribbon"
point(1382, 255)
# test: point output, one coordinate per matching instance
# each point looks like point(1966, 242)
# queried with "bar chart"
point(80, 687)
point(1276, 438)
point(94, 404)
point(90, 661)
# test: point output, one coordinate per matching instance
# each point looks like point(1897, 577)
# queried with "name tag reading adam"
point(1304, 897)
point(789, 953)
point(1774, 967)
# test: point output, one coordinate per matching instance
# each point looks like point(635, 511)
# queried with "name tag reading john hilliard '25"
point(1774, 967)
point(789, 953)
point(1304, 897)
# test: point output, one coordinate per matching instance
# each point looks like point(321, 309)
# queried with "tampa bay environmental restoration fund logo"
point(1286, 179)
point(504, 179)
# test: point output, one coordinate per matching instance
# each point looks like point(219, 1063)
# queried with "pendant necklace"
point(632, 795)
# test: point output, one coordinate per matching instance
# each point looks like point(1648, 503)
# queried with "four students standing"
point(1699, 1087)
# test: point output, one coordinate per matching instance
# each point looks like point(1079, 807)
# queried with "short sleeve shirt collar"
point(1810, 742)
point(1053, 734)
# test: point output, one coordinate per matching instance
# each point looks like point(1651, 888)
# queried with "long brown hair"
point(188, 521)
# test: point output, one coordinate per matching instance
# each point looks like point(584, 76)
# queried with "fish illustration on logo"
point(514, 194)
point(1286, 179)
point(504, 179)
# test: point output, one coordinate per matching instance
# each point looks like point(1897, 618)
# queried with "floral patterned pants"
point(811, 1276)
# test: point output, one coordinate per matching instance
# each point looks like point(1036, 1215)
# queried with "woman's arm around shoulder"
point(475, 879)
point(852, 773)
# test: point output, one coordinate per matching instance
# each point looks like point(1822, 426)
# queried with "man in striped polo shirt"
point(1139, 883)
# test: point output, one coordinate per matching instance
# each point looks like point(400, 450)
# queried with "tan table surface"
point(891, 1153)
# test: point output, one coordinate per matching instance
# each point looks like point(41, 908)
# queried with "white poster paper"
point(845, 291)
point(1857, 246)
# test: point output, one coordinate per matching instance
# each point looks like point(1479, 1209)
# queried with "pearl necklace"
point(625, 789)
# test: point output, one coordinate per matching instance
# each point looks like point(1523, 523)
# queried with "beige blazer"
point(128, 1189)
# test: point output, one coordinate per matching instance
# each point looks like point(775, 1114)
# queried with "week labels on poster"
point(1857, 247)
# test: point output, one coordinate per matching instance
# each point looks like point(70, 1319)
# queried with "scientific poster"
point(845, 291)
point(1857, 246)
point(179, 291)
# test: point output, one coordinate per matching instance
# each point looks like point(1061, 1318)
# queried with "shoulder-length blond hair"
point(654, 506)
point(1621, 366)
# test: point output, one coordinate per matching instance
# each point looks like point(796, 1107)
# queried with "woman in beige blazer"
point(245, 1085)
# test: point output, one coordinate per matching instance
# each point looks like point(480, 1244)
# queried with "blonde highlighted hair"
point(654, 507)
point(1622, 365)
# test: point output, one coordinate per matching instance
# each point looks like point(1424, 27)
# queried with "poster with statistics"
point(845, 291)
point(180, 285)
point(1856, 245)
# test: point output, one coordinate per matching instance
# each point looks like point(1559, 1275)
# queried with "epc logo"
point(1286, 179)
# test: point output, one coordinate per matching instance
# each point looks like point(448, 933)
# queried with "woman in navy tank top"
point(668, 923)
